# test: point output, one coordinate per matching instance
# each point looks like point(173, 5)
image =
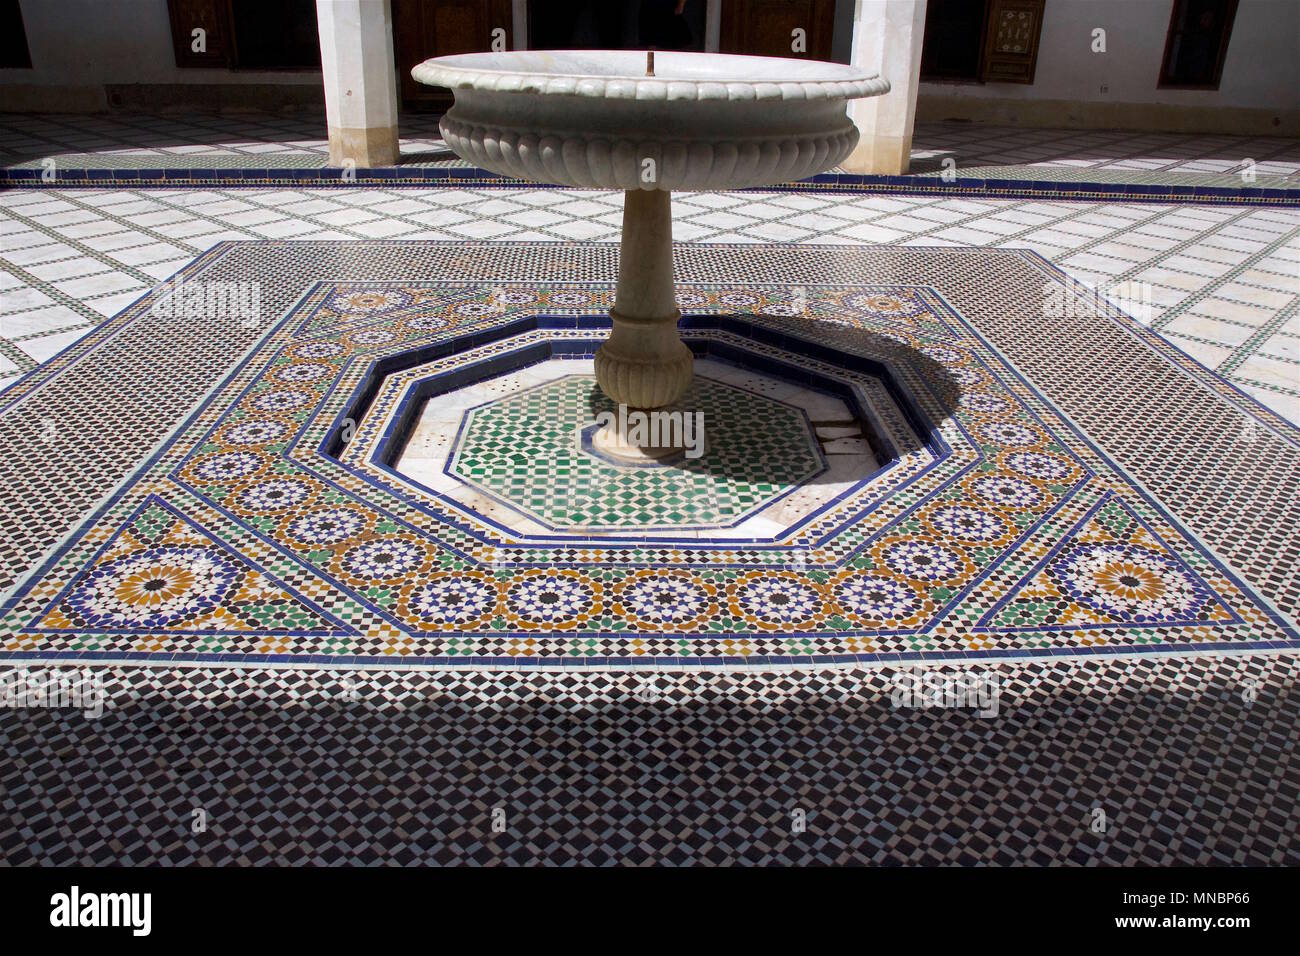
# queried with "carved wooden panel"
point(767, 27)
point(1011, 45)
point(425, 28)
point(211, 16)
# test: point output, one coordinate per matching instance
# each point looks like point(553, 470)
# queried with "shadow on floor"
point(386, 767)
point(943, 394)
point(252, 137)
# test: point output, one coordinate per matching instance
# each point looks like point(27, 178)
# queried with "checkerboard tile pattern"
point(1106, 155)
point(1191, 761)
point(143, 140)
point(1212, 778)
point(1221, 283)
point(521, 448)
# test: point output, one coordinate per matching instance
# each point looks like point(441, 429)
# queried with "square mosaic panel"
point(256, 534)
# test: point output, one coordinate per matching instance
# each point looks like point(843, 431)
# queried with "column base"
point(367, 148)
point(644, 364)
point(880, 155)
point(637, 449)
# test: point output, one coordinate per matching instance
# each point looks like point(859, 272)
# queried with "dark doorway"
point(275, 36)
point(954, 39)
point(981, 41)
point(1197, 43)
point(425, 28)
point(798, 29)
point(13, 37)
point(616, 24)
point(245, 34)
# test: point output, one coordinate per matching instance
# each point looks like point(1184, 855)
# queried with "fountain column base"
point(645, 364)
point(630, 448)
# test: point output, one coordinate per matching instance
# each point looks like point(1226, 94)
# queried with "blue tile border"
point(909, 185)
point(649, 664)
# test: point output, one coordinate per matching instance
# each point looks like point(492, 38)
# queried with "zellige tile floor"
point(1191, 757)
point(146, 140)
point(1106, 155)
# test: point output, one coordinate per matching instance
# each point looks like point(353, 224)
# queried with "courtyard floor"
point(1051, 440)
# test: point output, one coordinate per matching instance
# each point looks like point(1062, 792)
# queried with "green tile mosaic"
point(526, 449)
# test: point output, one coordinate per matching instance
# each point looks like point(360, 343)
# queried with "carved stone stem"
point(645, 364)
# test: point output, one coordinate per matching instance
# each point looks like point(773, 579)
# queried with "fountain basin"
point(593, 118)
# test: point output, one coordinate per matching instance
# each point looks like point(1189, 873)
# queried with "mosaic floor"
point(994, 524)
point(1089, 497)
point(1192, 761)
point(1106, 155)
point(519, 449)
point(143, 140)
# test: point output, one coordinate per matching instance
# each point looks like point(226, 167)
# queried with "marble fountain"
point(648, 124)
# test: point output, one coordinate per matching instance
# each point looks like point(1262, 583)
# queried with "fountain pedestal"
point(645, 364)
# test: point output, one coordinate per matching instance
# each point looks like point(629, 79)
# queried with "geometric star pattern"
point(920, 559)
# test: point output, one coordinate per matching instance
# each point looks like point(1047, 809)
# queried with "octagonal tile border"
point(726, 341)
point(873, 399)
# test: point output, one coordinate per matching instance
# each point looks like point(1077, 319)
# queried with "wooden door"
point(425, 28)
point(1011, 44)
point(772, 28)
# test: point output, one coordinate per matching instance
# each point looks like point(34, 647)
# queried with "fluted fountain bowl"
point(593, 118)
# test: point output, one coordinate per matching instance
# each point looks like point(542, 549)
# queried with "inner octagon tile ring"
point(396, 475)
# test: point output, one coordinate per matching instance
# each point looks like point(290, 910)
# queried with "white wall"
point(1262, 69)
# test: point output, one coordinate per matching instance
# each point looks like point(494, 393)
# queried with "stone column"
point(356, 54)
point(887, 37)
point(645, 364)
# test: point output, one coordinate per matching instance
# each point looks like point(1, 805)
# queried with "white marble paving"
point(70, 258)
